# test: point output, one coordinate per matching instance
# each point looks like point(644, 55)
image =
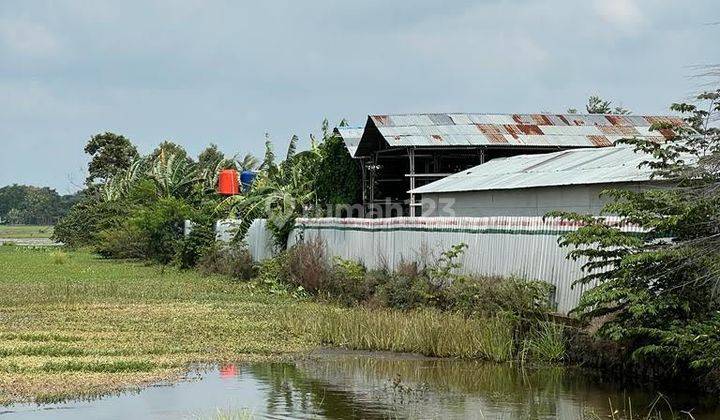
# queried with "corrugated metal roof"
point(351, 136)
point(534, 130)
point(570, 167)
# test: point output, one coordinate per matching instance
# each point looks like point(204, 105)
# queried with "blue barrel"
point(246, 179)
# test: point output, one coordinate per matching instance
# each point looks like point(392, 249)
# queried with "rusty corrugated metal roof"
point(525, 130)
point(605, 165)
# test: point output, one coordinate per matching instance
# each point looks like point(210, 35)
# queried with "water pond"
point(347, 385)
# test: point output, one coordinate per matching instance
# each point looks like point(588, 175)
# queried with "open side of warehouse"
point(401, 152)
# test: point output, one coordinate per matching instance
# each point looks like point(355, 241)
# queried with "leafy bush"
point(85, 220)
point(410, 286)
point(348, 282)
point(161, 227)
point(122, 243)
point(490, 295)
point(193, 246)
point(403, 291)
point(274, 270)
point(233, 261)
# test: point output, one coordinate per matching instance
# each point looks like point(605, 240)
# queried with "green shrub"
point(229, 260)
point(414, 286)
point(197, 243)
point(161, 227)
point(273, 275)
point(404, 291)
point(125, 242)
point(348, 282)
point(489, 295)
point(85, 220)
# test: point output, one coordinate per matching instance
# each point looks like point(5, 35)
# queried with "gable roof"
point(570, 167)
point(506, 130)
point(351, 136)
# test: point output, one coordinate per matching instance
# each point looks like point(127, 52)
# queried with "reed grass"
point(427, 332)
point(545, 342)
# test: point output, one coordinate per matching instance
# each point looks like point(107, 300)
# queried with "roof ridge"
point(521, 113)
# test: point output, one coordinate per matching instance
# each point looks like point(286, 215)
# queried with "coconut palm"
point(247, 163)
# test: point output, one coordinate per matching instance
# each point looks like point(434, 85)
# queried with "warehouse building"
point(399, 153)
point(533, 185)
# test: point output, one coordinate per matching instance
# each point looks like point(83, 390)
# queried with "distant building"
point(399, 153)
point(533, 185)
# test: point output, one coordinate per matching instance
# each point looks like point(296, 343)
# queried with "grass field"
point(76, 325)
point(23, 231)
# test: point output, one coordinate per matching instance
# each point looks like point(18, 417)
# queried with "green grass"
point(427, 332)
point(545, 343)
point(23, 231)
point(89, 326)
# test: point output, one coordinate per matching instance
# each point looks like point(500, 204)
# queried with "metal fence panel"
point(499, 246)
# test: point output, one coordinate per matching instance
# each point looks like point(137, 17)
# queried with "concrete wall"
point(528, 202)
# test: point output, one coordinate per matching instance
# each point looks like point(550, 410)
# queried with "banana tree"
point(281, 198)
point(173, 175)
point(119, 186)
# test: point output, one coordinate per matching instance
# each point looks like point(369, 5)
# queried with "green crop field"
point(25, 231)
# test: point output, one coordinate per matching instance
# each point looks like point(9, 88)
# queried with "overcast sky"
point(227, 72)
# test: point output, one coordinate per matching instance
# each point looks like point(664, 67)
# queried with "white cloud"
point(28, 39)
point(624, 13)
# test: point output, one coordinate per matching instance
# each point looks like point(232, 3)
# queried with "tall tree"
point(661, 287)
point(168, 149)
point(12, 197)
point(338, 176)
point(597, 105)
point(110, 153)
point(210, 157)
point(26, 204)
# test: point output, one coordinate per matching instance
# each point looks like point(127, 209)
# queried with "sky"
point(227, 72)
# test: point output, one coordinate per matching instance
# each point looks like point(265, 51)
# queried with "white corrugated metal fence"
point(504, 246)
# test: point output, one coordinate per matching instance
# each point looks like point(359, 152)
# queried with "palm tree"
point(247, 163)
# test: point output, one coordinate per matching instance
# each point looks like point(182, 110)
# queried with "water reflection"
point(355, 386)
